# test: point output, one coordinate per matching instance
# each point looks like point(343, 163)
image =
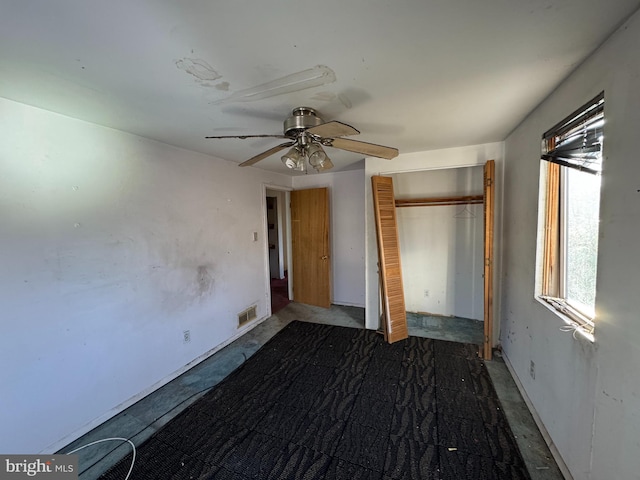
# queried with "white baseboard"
point(347, 304)
point(543, 430)
point(54, 447)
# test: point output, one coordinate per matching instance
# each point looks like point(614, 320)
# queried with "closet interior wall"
point(441, 240)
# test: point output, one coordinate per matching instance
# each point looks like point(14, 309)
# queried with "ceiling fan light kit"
point(297, 157)
point(294, 159)
point(327, 164)
point(316, 155)
point(308, 133)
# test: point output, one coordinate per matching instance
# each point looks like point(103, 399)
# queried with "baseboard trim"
point(54, 447)
point(347, 304)
point(536, 418)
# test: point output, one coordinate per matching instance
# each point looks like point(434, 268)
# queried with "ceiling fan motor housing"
point(301, 118)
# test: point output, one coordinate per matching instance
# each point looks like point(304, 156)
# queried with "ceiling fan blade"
point(365, 148)
point(249, 136)
point(266, 154)
point(333, 129)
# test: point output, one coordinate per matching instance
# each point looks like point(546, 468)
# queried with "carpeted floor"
point(279, 294)
point(326, 402)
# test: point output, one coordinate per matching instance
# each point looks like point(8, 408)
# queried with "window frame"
point(551, 260)
point(555, 290)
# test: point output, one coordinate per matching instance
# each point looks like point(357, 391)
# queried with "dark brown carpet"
point(324, 402)
point(279, 294)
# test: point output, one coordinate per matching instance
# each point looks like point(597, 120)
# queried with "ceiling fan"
point(307, 134)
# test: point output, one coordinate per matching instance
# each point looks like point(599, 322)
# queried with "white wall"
point(587, 395)
point(442, 247)
point(470, 156)
point(112, 246)
point(346, 205)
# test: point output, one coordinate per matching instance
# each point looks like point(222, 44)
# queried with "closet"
point(445, 230)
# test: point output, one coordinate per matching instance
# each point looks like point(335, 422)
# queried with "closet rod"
point(429, 202)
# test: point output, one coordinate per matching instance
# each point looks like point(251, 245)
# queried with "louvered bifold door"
point(392, 291)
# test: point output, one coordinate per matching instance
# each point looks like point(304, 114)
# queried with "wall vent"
point(246, 316)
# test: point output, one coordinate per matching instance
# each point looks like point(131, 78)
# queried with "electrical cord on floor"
point(134, 435)
point(133, 459)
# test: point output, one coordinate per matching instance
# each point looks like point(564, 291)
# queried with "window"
point(570, 198)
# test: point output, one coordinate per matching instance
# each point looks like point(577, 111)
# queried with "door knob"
point(324, 257)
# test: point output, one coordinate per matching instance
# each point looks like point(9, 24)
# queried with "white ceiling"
point(413, 74)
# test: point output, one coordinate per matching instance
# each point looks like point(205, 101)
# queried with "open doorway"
point(277, 248)
point(444, 248)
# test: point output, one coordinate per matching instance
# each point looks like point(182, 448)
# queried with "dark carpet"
point(279, 294)
point(325, 402)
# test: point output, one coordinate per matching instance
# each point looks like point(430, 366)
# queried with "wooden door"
point(395, 315)
point(489, 191)
point(310, 247)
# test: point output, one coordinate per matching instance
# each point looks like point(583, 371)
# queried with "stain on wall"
point(204, 280)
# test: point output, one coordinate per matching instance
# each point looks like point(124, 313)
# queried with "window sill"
point(574, 322)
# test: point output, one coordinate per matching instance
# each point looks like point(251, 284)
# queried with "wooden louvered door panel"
point(395, 316)
point(489, 192)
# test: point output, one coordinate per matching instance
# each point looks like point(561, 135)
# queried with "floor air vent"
point(246, 316)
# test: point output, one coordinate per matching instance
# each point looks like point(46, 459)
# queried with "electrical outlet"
point(186, 336)
point(426, 293)
point(532, 370)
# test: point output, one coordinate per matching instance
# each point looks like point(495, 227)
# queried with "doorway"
point(297, 252)
point(277, 247)
point(446, 241)
point(442, 242)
